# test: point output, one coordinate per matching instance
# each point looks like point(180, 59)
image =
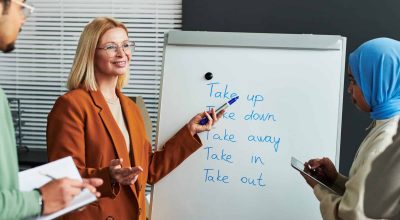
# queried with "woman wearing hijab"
point(375, 88)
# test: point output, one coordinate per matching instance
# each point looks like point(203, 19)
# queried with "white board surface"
point(290, 89)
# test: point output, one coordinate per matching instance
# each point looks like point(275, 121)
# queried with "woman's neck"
point(107, 85)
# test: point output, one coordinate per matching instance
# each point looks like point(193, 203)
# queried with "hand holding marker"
point(204, 120)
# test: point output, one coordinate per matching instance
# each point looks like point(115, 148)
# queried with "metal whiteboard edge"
point(340, 113)
point(261, 40)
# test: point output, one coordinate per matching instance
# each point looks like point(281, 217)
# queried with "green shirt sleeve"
point(14, 204)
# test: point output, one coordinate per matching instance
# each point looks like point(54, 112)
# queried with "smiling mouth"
point(119, 62)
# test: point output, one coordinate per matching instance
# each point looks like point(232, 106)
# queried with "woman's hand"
point(126, 175)
point(322, 169)
point(195, 127)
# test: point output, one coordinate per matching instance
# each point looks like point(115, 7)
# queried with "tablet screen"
point(298, 165)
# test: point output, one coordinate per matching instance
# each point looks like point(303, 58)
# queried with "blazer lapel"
point(131, 121)
point(115, 132)
point(112, 127)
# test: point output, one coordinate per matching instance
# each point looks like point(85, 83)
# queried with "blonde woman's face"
point(111, 59)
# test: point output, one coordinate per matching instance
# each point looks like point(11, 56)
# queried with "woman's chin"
point(120, 73)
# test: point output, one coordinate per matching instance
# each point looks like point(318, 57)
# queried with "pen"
point(47, 175)
point(311, 170)
point(204, 120)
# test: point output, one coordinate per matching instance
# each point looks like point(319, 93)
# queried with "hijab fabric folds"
point(376, 69)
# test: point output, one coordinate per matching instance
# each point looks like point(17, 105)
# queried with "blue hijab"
point(376, 69)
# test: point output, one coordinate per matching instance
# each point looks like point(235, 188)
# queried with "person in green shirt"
point(52, 196)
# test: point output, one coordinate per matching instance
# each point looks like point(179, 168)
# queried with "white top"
point(351, 204)
point(116, 110)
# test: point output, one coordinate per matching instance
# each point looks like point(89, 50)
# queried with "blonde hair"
point(82, 71)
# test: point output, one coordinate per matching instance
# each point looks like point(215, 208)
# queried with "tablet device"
point(298, 165)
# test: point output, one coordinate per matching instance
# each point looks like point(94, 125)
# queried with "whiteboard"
point(290, 89)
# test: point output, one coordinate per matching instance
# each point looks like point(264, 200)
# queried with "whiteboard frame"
point(258, 40)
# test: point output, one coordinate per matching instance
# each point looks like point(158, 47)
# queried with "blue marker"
point(204, 120)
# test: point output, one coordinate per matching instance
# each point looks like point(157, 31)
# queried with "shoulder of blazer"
point(76, 94)
point(78, 98)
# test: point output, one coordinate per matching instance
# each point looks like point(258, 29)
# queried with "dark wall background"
point(358, 20)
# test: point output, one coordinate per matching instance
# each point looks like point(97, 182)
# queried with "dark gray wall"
point(358, 20)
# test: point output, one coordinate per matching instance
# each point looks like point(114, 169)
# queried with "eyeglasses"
point(113, 48)
point(26, 9)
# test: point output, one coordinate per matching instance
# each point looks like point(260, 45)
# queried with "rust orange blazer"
point(81, 125)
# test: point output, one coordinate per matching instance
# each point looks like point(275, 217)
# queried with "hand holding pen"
point(204, 121)
point(58, 193)
point(323, 169)
point(212, 118)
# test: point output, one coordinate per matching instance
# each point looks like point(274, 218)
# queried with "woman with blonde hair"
point(103, 130)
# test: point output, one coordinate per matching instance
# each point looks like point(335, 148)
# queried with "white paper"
point(65, 167)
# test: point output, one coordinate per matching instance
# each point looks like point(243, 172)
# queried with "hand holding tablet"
point(313, 174)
